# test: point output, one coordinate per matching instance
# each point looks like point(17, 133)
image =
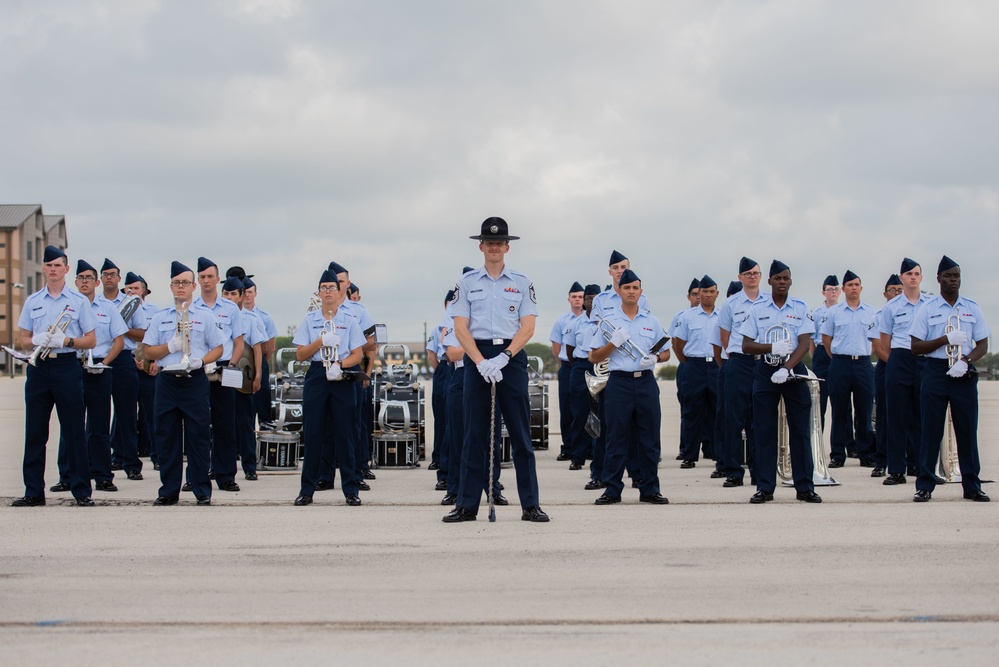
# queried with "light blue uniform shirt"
point(609, 301)
point(793, 314)
point(930, 322)
point(109, 326)
point(205, 334)
point(580, 331)
point(443, 329)
point(645, 331)
point(41, 311)
point(146, 311)
point(434, 342)
point(228, 321)
point(134, 322)
point(695, 327)
point(673, 323)
point(344, 325)
point(269, 327)
point(733, 313)
point(358, 313)
point(253, 328)
point(817, 316)
point(715, 337)
point(494, 307)
point(896, 318)
point(560, 329)
point(851, 330)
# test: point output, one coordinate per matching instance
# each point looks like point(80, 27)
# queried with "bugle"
point(59, 326)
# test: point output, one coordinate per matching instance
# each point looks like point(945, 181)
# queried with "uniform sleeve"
point(459, 304)
point(355, 339)
point(885, 318)
point(213, 335)
point(725, 317)
point(24, 320)
point(88, 322)
point(529, 304)
point(920, 324)
point(748, 328)
point(236, 321)
point(807, 323)
point(303, 334)
point(981, 329)
point(828, 324)
point(117, 327)
point(556, 333)
point(681, 325)
point(269, 327)
point(874, 330)
point(364, 319)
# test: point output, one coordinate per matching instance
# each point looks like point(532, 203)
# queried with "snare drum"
point(277, 450)
point(395, 450)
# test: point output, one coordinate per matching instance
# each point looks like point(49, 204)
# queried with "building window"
point(30, 254)
point(31, 289)
point(38, 252)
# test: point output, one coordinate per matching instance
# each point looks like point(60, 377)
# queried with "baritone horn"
point(820, 463)
point(59, 326)
point(776, 333)
point(953, 351)
point(597, 380)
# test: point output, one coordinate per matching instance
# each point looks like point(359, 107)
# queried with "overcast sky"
point(280, 135)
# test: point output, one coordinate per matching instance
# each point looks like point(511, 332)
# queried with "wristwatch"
point(70, 343)
point(508, 353)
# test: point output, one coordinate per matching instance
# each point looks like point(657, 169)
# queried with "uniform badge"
point(534, 297)
point(454, 299)
point(494, 229)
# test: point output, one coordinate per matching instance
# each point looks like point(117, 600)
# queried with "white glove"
point(959, 369)
point(500, 360)
point(619, 337)
point(175, 344)
point(495, 375)
point(485, 370)
point(957, 337)
point(40, 339)
point(780, 377)
point(211, 368)
point(330, 339)
point(648, 361)
point(58, 339)
point(93, 370)
point(334, 373)
point(781, 348)
point(196, 363)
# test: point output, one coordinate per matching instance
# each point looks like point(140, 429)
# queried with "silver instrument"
point(820, 463)
point(129, 306)
point(184, 330)
point(949, 466)
point(59, 326)
point(597, 380)
point(628, 347)
point(953, 351)
point(773, 334)
point(329, 355)
point(315, 303)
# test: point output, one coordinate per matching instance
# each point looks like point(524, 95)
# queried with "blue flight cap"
point(352, 288)
point(247, 283)
point(849, 275)
point(336, 268)
point(629, 276)
point(908, 265)
point(52, 253)
point(894, 280)
point(176, 268)
point(204, 264)
point(694, 284)
point(231, 284)
point(591, 290)
point(706, 282)
point(745, 264)
point(616, 257)
point(778, 266)
point(576, 287)
point(945, 263)
point(130, 278)
point(449, 296)
point(466, 270)
point(109, 266)
point(83, 265)
point(734, 287)
point(830, 281)
point(329, 277)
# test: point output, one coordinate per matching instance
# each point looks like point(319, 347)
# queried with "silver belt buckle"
point(637, 374)
point(709, 359)
point(497, 341)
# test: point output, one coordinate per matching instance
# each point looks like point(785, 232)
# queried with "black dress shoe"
point(303, 500)
point(186, 487)
point(156, 466)
point(534, 514)
point(323, 485)
point(939, 480)
point(116, 466)
point(211, 475)
point(363, 486)
point(607, 500)
point(717, 474)
point(499, 485)
point(878, 472)
point(911, 471)
point(761, 497)
point(251, 476)
point(835, 464)
point(28, 501)
point(500, 499)
point(369, 475)
point(61, 486)
point(575, 466)
point(457, 515)
point(441, 485)
point(731, 482)
point(434, 466)
point(449, 499)
point(105, 486)
point(657, 499)
point(231, 485)
point(84, 502)
point(562, 457)
point(894, 478)
point(353, 501)
point(851, 455)
point(868, 463)
point(688, 464)
point(922, 496)
point(635, 483)
point(978, 496)
point(163, 501)
point(809, 497)
point(204, 500)
point(135, 476)
point(679, 457)
point(593, 485)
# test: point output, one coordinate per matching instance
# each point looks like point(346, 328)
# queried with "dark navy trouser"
point(851, 380)
point(700, 386)
point(125, 396)
point(633, 414)
point(183, 426)
point(438, 402)
point(581, 442)
point(739, 377)
point(797, 408)
point(938, 390)
point(820, 366)
point(719, 435)
point(565, 406)
point(147, 393)
point(903, 377)
point(880, 416)
point(223, 419)
point(329, 417)
point(97, 413)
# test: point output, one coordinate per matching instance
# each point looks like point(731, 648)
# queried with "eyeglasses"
point(85, 279)
point(893, 290)
point(328, 288)
point(181, 283)
point(752, 274)
point(109, 274)
point(830, 289)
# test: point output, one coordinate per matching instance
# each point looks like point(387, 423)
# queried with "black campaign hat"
point(238, 272)
point(494, 229)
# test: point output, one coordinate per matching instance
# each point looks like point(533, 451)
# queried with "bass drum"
point(538, 393)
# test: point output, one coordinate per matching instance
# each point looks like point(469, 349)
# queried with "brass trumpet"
point(59, 326)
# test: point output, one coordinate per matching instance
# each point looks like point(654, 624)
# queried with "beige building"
point(24, 233)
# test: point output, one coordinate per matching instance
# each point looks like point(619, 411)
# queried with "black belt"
point(630, 374)
point(703, 360)
point(62, 356)
point(566, 363)
point(493, 341)
point(852, 357)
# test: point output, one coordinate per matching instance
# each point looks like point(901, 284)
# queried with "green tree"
point(667, 372)
point(551, 364)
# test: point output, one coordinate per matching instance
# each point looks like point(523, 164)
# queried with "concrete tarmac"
point(867, 577)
